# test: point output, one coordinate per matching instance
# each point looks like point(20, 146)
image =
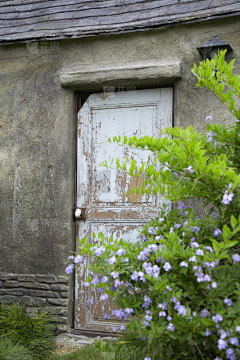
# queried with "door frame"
point(80, 98)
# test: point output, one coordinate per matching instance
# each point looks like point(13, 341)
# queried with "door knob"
point(78, 213)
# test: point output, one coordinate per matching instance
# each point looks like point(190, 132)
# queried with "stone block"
point(61, 319)
point(64, 294)
point(8, 299)
point(57, 310)
point(12, 284)
point(63, 279)
point(61, 302)
point(35, 285)
point(15, 292)
point(42, 293)
point(4, 276)
point(47, 279)
point(59, 287)
point(26, 277)
point(31, 301)
point(62, 327)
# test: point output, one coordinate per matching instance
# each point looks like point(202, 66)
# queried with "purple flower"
point(162, 313)
point(159, 237)
point(104, 279)
point(214, 285)
point(193, 259)
point(152, 231)
point(234, 341)
point(78, 259)
point(98, 250)
point(107, 316)
point(113, 288)
point(160, 220)
point(217, 318)
point(155, 271)
point(207, 278)
point(229, 353)
point(103, 297)
point(209, 248)
point(208, 118)
point(114, 328)
point(163, 306)
point(100, 290)
point(238, 329)
point(121, 252)
point(205, 313)
point(122, 327)
point(228, 302)
point(69, 269)
point(189, 168)
point(168, 288)
point(236, 258)
point(210, 136)
point(147, 358)
point(182, 310)
point(227, 198)
point(222, 344)
point(217, 232)
point(112, 260)
point(169, 318)
point(71, 257)
point(146, 323)
point(170, 327)
point(167, 266)
point(125, 260)
point(208, 332)
point(177, 226)
point(147, 301)
point(194, 245)
point(148, 317)
point(128, 311)
point(115, 274)
point(195, 229)
point(183, 263)
point(90, 301)
point(199, 252)
point(95, 281)
point(223, 333)
point(134, 276)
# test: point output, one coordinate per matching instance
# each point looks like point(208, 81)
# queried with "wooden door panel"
point(102, 191)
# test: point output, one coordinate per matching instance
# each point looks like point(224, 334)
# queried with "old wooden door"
point(101, 191)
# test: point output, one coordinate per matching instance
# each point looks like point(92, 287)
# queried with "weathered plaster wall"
point(37, 128)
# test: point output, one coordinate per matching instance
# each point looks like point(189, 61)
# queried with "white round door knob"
point(78, 213)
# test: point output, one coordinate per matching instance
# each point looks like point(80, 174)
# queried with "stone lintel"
point(144, 74)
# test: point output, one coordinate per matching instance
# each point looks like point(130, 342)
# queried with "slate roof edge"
point(127, 30)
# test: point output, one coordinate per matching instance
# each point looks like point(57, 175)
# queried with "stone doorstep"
point(79, 340)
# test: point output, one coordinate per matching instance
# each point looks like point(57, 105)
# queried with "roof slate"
point(29, 20)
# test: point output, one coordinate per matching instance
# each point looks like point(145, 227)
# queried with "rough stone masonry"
point(38, 291)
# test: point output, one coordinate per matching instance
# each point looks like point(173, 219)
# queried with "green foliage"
point(9, 351)
point(181, 281)
point(33, 332)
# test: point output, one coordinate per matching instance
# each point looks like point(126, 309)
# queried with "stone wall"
point(38, 291)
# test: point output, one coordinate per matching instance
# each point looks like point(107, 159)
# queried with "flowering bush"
point(179, 284)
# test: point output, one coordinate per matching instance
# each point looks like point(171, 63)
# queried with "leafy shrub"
point(34, 332)
point(180, 283)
